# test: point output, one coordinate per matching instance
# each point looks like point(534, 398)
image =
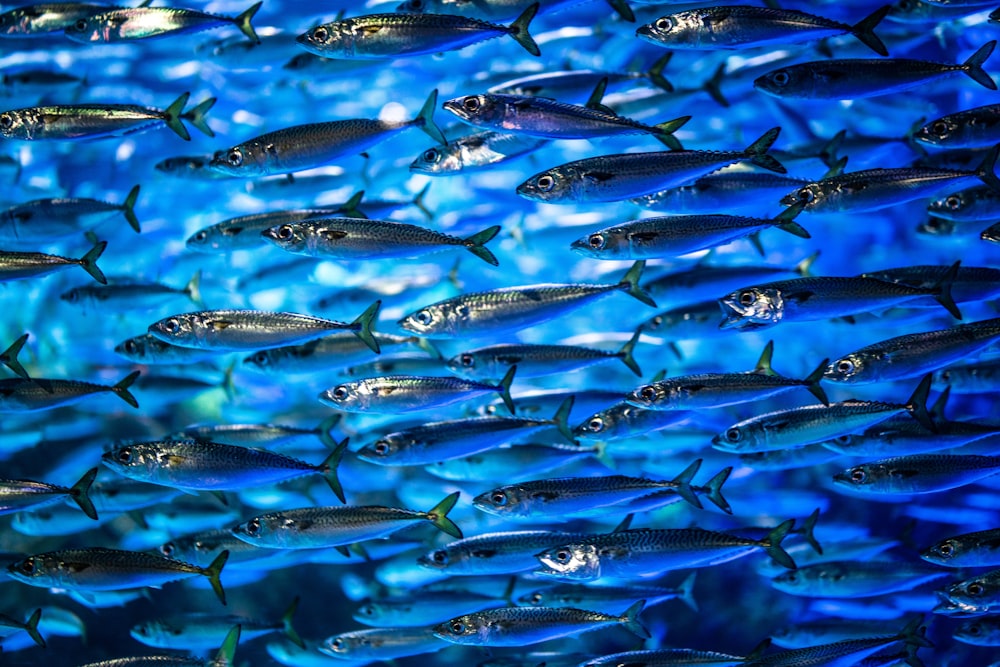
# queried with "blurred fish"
point(21, 494)
point(118, 24)
point(21, 265)
point(44, 219)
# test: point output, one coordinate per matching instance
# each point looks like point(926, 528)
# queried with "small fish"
point(126, 24)
point(190, 167)
point(749, 192)
point(100, 569)
point(20, 395)
point(579, 84)
point(507, 552)
point(979, 632)
point(667, 657)
point(851, 79)
point(204, 631)
point(811, 424)
point(738, 27)
point(379, 644)
point(21, 494)
point(855, 579)
point(44, 219)
point(198, 465)
point(474, 152)
point(429, 604)
point(44, 18)
point(973, 596)
point(530, 625)
point(312, 145)
point(237, 330)
point(268, 436)
point(322, 527)
point(99, 121)
point(404, 35)
point(973, 128)
point(333, 352)
point(223, 657)
point(712, 390)
point(147, 349)
point(977, 549)
point(126, 295)
point(599, 597)
point(978, 204)
point(349, 238)
point(20, 265)
point(408, 393)
point(917, 473)
point(512, 308)
point(617, 177)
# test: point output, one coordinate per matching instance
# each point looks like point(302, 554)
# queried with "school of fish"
point(500, 332)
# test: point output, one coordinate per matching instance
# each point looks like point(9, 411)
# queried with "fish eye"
point(320, 34)
point(440, 556)
point(746, 298)
point(536, 598)
point(381, 448)
point(6, 121)
point(27, 566)
point(946, 549)
point(367, 610)
point(657, 321)
point(596, 241)
point(975, 589)
point(81, 24)
point(734, 435)
point(498, 498)
point(858, 475)
point(780, 78)
point(423, 317)
point(596, 424)
point(167, 549)
point(843, 439)
point(562, 555)
point(124, 455)
point(431, 155)
point(665, 24)
point(337, 644)
point(201, 236)
point(457, 627)
point(806, 195)
point(545, 183)
point(285, 232)
point(940, 128)
point(974, 629)
point(130, 346)
point(647, 393)
point(339, 392)
point(845, 366)
point(260, 358)
point(172, 325)
point(467, 360)
point(953, 202)
point(471, 103)
point(415, 4)
point(235, 157)
point(253, 527)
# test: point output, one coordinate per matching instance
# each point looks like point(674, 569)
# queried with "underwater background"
point(261, 88)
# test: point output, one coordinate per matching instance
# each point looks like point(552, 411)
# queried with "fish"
point(977, 549)
point(126, 294)
point(506, 552)
point(20, 494)
point(860, 78)
point(625, 176)
point(32, 21)
point(269, 436)
point(313, 145)
point(978, 632)
point(405, 35)
point(972, 128)
point(974, 204)
point(22, 265)
point(202, 631)
point(917, 473)
point(37, 394)
point(973, 596)
point(30, 626)
point(126, 24)
point(593, 597)
point(335, 351)
point(44, 219)
point(238, 330)
point(474, 152)
point(223, 657)
point(73, 122)
point(855, 579)
point(101, 569)
point(378, 644)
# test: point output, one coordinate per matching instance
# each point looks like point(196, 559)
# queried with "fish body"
point(492, 362)
point(335, 351)
point(666, 657)
point(600, 597)
point(127, 24)
point(201, 631)
point(44, 219)
point(974, 596)
point(979, 632)
point(855, 579)
point(918, 473)
point(507, 552)
point(21, 265)
point(20, 395)
point(724, 191)
point(269, 436)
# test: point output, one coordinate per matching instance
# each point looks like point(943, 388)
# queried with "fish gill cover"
point(493, 332)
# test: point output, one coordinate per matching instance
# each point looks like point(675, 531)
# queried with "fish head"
point(553, 185)
point(289, 237)
point(262, 361)
point(936, 132)
point(329, 38)
point(382, 451)
point(512, 500)
point(752, 308)
point(345, 645)
point(539, 598)
point(682, 28)
point(87, 29)
point(740, 438)
point(438, 160)
point(439, 559)
point(349, 395)
point(471, 366)
point(134, 349)
point(849, 369)
point(609, 243)
point(978, 633)
point(944, 552)
point(598, 426)
point(44, 570)
point(576, 562)
point(790, 581)
point(948, 607)
point(861, 476)
point(183, 329)
point(979, 592)
point(936, 226)
point(16, 124)
point(482, 110)
point(74, 295)
point(246, 160)
point(413, 7)
point(158, 632)
point(435, 319)
point(264, 530)
point(649, 395)
point(468, 629)
point(787, 81)
point(808, 195)
point(138, 460)
point(371, 613)
point(209, 239)
point(953, 204)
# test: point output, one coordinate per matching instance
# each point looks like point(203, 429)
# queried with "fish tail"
point(812, 383)
point(655, 73)
point(172, 116)
point(128, 208)
point(917, 404)
point(31, 627)
point(80, 493)
point(121, 389)
point(561, 418)
point(630, 619)
point(758, 650)
point(325, 430)
point(864, 30)
point(913, 633)
point(427, 346)
point(757, 151)
point(89, 262)
point(476, 244)
point(226, 654)
point(350, 208)
point(363, 325)
point(243, 22)
point(626, 353)
point(772, 544)
point(623, 10)
point(439, 516)
point(682, 483)
point(714, 490)
point(594, 101)
point(213, 572)
point(785, 221)
point(763, 366)
point(329, 469)
point(418, 201)
point(713, 85)
point(286, 624)
point(942, 292)
point(986, 171)
point(193, 289)
point(809, 534)
point(425, 119)
point(196, 116)
point(804, 268)
point(974, 65)
point(508, 592)
point(504, 388)
point(754, 240)
point(9, 357)
point(828, 154)
point(519, 30)
point(665, 132)
point(630, 284)
point(937, 410)
point(685, 592)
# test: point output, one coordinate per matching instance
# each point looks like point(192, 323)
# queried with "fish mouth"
point(455, 108)
point(789, 200)
point(731, 318)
